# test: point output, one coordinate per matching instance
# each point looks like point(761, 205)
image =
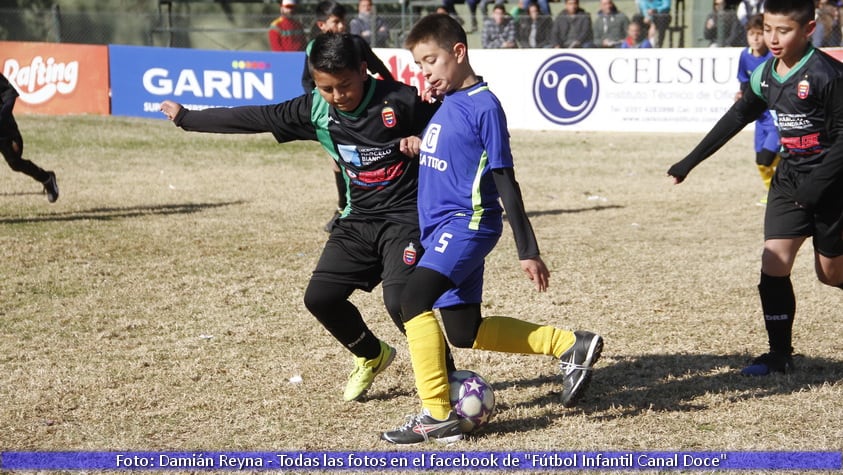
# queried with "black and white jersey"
point(800, 103)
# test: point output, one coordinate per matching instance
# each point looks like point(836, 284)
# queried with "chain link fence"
point(232, 25)
point(177, 24)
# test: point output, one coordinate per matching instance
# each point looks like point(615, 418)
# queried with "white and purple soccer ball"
point(472, 399)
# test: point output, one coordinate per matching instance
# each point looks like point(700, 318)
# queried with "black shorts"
point(364, 253)
point(784, 220)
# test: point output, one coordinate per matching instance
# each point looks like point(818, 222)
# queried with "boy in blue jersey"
point(803, 87)
point(465, 171)
point(362, 123)
point(766, 135)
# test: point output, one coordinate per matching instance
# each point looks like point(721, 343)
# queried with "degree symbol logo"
point(565, 89)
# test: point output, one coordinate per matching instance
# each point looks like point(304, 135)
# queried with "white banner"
point(622, 90)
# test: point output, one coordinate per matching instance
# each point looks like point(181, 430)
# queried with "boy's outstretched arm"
point(742, 112)
point(522, 230)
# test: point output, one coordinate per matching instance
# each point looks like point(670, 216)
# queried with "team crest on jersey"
point(388, 117)
point(802, 89)
point(410, 254)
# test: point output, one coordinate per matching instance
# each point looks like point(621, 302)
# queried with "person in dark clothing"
point(365, 125)
point(11, 143)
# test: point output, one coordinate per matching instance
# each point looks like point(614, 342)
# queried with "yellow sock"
point(427, 353)
point(517, 336)
point(766, 175)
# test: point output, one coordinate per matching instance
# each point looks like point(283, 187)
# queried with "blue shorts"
point(459, 253)
point(767, 138)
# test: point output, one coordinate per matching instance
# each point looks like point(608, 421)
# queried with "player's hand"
point(430, 95)
point(410, 146)
point(537, 272)
point(677, 175)
point(170, 109)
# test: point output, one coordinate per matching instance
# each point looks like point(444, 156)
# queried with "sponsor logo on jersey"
point(388, 117)
point(565, 89)
point(431, 138)
point(802, 89)
point(410, 254)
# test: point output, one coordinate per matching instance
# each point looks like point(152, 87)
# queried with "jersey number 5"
point(443, 242)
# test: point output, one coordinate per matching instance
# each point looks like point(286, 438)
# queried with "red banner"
point(57, 78)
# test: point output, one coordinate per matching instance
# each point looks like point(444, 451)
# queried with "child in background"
point(635, 37)
point(766, 134)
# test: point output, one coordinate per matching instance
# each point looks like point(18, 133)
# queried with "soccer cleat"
point(769, 363)
point(364, 373)
point(51, 187)
point(576, 365)
point(423, 427)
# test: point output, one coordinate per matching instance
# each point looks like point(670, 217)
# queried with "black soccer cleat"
point(772, 362)
point(51, 187)
point(577, 365)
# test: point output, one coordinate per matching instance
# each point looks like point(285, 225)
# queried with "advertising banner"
point(635, 90)
point(142, 77)
point(57, 78)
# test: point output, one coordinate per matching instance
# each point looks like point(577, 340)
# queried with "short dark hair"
point(328, 8)
point(755, 22)
point(334, 52)
point(800, 11)
point(439, 27)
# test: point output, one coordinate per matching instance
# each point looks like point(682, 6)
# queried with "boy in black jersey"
point(803, 88)
point(363, 124)
point(11, 143)
point(330, 18)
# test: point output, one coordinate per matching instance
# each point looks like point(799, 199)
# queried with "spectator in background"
point(285, 32)
point(362, 25)
point(827, 32)
point(572, 28)
point(610, 26)
point(499, 30)
point(656, 14)
point(534, 28)
point(722, 27)
point(636, 36)
point(748, 8)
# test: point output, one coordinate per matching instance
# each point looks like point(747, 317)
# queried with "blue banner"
point(141, 77)
point(421, 461)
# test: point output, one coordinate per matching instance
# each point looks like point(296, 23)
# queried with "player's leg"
point(347, 263)
point(577, 351)
point(426, 343)
point(785, 229)
point(828, 241)
point(11, 147)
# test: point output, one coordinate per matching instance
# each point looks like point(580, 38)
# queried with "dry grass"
point(157, 305)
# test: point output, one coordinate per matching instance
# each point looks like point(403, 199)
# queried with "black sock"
point(779, 305)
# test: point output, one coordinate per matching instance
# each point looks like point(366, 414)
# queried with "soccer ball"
point(472, 399)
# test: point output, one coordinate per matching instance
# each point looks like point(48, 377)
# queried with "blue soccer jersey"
point(746, 65)
point(466, 138)
point(459, 209)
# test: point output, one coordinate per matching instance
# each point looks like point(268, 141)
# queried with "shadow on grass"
point(630, 386)
point(555, 212)
point(120, 212)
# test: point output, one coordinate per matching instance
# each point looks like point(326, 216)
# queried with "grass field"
point(158, 304)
